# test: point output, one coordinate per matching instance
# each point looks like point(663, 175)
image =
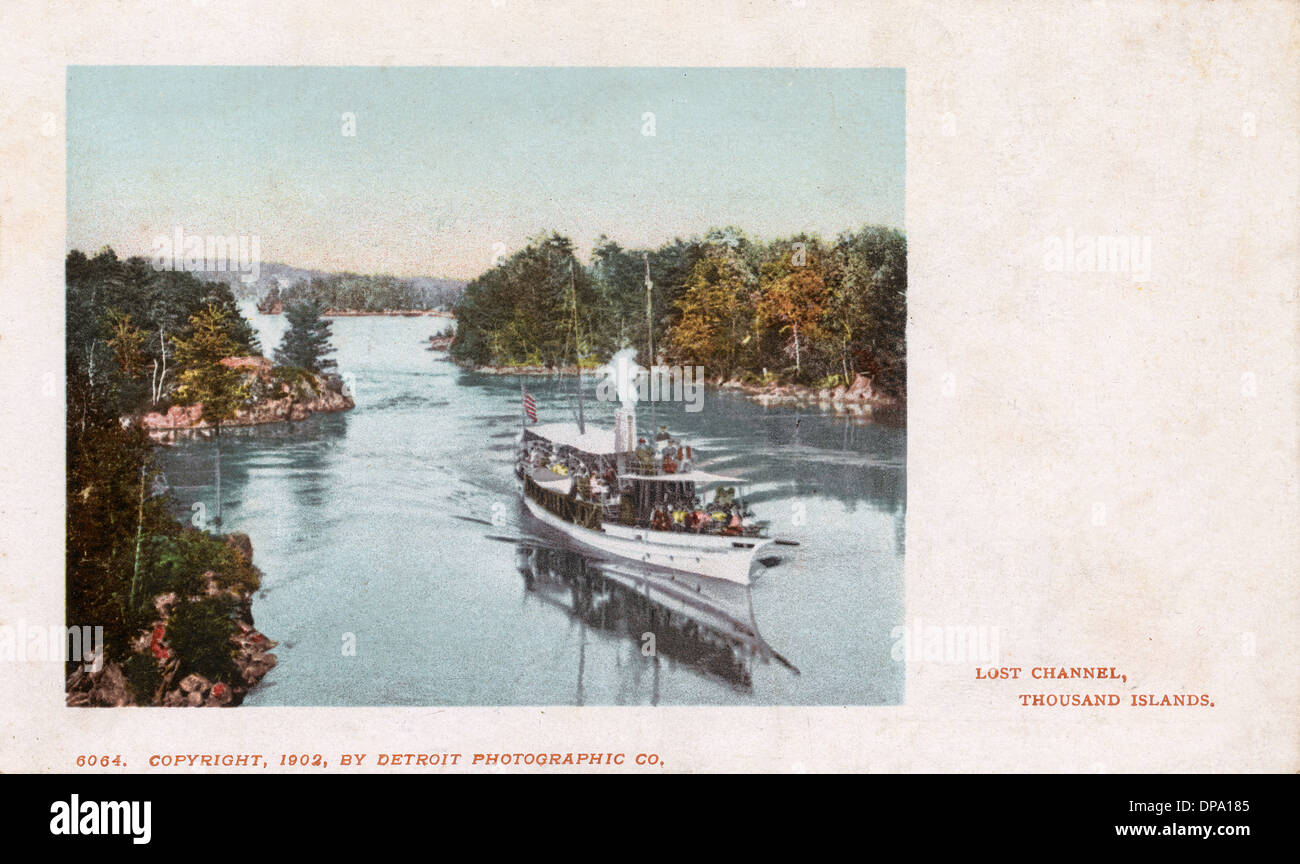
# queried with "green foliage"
point(199, 632)
point(801, 308)
point(204, 379)
point(123, 546)
point(179, 559)
point(714, 311)
point(143, 675)
point(521, 311)
point(127, 343)
point(108, 470)
point(121, 317)
point(306, 342)
point(378, 293)
point(300, 382)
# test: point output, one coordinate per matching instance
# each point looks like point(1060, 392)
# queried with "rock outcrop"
point(859, 397)
point(278, 396)
point(108, 685)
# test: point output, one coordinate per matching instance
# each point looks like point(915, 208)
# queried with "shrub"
point(143, 676)
point(199, 632)
point(180, 560)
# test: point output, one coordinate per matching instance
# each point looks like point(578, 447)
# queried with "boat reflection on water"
point(704, 624)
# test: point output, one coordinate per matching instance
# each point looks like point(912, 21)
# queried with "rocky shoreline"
point(395, 313)
point(109, 687)
point(861, 395)
point(277, 400)
point(859, 398)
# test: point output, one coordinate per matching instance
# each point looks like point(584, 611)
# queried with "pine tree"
point(205, 379)
point(307, 341)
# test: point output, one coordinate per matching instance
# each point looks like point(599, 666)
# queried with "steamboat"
point(634, 496)
point(619, 495)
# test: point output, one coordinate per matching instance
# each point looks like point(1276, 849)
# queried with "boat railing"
point(588, 514)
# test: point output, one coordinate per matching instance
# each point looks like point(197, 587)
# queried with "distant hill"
point(380, 291)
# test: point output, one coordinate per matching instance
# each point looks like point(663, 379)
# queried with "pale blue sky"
point(448, 162)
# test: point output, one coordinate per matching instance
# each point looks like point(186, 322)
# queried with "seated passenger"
point(659, 520)
point(645, 457)
point(724, 497)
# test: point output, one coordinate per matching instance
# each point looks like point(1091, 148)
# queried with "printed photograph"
point(485, 386)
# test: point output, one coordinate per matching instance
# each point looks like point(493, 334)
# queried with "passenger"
point(670, 466)
point(659, 520)
point(645, 457)
point(679, 519)
point(663, 434)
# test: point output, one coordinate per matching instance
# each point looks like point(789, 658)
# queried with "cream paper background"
point(1035, 397)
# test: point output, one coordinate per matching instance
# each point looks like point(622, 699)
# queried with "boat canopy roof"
point(685, 477)
point(597, 442)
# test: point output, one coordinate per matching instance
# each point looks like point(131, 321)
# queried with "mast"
point(577, 350)
point(649, 314)
point(649, 334)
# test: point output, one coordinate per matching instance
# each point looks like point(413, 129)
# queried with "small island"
point(346, 295)
point(281, 394)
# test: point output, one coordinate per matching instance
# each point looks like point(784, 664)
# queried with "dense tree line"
point(794, 309)
point(365, 293)
point(140, 339)
point(118, 305)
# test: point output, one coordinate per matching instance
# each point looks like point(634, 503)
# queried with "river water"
point(401, 569)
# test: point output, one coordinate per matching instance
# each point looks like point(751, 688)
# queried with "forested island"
point(355, 294)
point(796, 315)
point(149, 350)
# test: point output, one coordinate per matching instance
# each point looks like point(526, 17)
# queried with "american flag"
point(530, 406)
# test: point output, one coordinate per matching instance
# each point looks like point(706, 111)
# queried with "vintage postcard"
point(881, 389)
point(607, 449)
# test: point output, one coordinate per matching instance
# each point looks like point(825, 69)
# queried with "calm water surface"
point(396, 528)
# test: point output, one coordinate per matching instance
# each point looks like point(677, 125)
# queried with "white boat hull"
point(717, 557)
